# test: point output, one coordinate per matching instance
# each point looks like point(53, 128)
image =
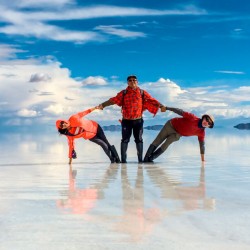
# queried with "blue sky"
point(62, 56)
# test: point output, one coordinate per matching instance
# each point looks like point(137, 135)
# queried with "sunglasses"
point(210, 123)
point(61, 124)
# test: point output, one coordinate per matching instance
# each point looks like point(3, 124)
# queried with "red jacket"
point(133, 103)
point(80, 128)
point(188, 126)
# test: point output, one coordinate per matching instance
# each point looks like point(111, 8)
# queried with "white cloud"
point(19, 92)
point(34, 23)
point(119, 32)
point(230, 72)
point(27, 113)
point(8, 51)
point(94, 81)
point(101, 11)
point(165, 89)
point(41, 3)
point(54, 94)
point(50, 32)
point(34, 4)
point(39, 77)
point(56, 109)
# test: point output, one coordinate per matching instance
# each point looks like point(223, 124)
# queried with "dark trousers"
point(101, 140)
point(129, 126)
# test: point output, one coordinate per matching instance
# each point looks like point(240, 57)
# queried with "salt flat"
point(175, 203)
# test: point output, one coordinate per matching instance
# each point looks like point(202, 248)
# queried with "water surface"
point(175, 203)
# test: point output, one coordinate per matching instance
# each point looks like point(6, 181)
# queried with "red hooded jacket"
point(80, 128)
point(187, 126)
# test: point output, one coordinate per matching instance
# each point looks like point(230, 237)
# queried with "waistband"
point(132, 119)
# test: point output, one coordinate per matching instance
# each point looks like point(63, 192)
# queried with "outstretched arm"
point(175, 110)
point(105, 104)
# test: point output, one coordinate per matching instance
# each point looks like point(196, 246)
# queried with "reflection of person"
point(133, 101)
point(79, 201)
point(187, 125)
point(82, 200)
point(192, 197)
point(78, 127)
point(137, 219)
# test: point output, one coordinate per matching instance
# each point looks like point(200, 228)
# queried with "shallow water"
point(175, 203)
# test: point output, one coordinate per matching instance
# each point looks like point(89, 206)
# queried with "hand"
point(74, 155)
point(163, 109)
point(99, 107)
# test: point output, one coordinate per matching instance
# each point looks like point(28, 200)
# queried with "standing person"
point(187, 125)
point(78, 127)
point(133, 101)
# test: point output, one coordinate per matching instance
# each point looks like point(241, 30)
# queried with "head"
point(132, 81)
point(207, 121)
point(62, 126)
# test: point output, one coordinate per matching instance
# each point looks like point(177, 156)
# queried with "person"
point(133, 101)
point(187, 125)
point(78, 127)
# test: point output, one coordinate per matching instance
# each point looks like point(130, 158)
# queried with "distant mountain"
point(243, 126)
point(154, 127)
point(112, 128)
point(118, 127)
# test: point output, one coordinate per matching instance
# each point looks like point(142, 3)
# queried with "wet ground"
point(175, 203)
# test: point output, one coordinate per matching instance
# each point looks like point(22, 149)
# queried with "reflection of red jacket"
point(79, 201)
point(80, 128)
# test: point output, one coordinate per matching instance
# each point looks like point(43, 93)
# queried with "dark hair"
point(131, 76)
point(63, 131)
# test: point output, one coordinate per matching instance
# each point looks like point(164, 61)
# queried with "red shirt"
point(133, 103)
point(188, 126)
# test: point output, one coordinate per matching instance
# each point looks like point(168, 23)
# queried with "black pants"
point(101, 140)
point(129, 126)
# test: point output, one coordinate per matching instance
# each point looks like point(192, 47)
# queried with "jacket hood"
point(58, 122)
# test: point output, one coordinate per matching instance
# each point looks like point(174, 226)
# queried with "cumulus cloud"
point(166, 90)
point(19, 92)
point(53, 93)
point(94, 81)
point(54, 109)
point(27, 113)
point(39, 77)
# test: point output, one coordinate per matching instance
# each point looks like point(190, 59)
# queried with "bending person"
point(78, 127)
point(187, 125)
